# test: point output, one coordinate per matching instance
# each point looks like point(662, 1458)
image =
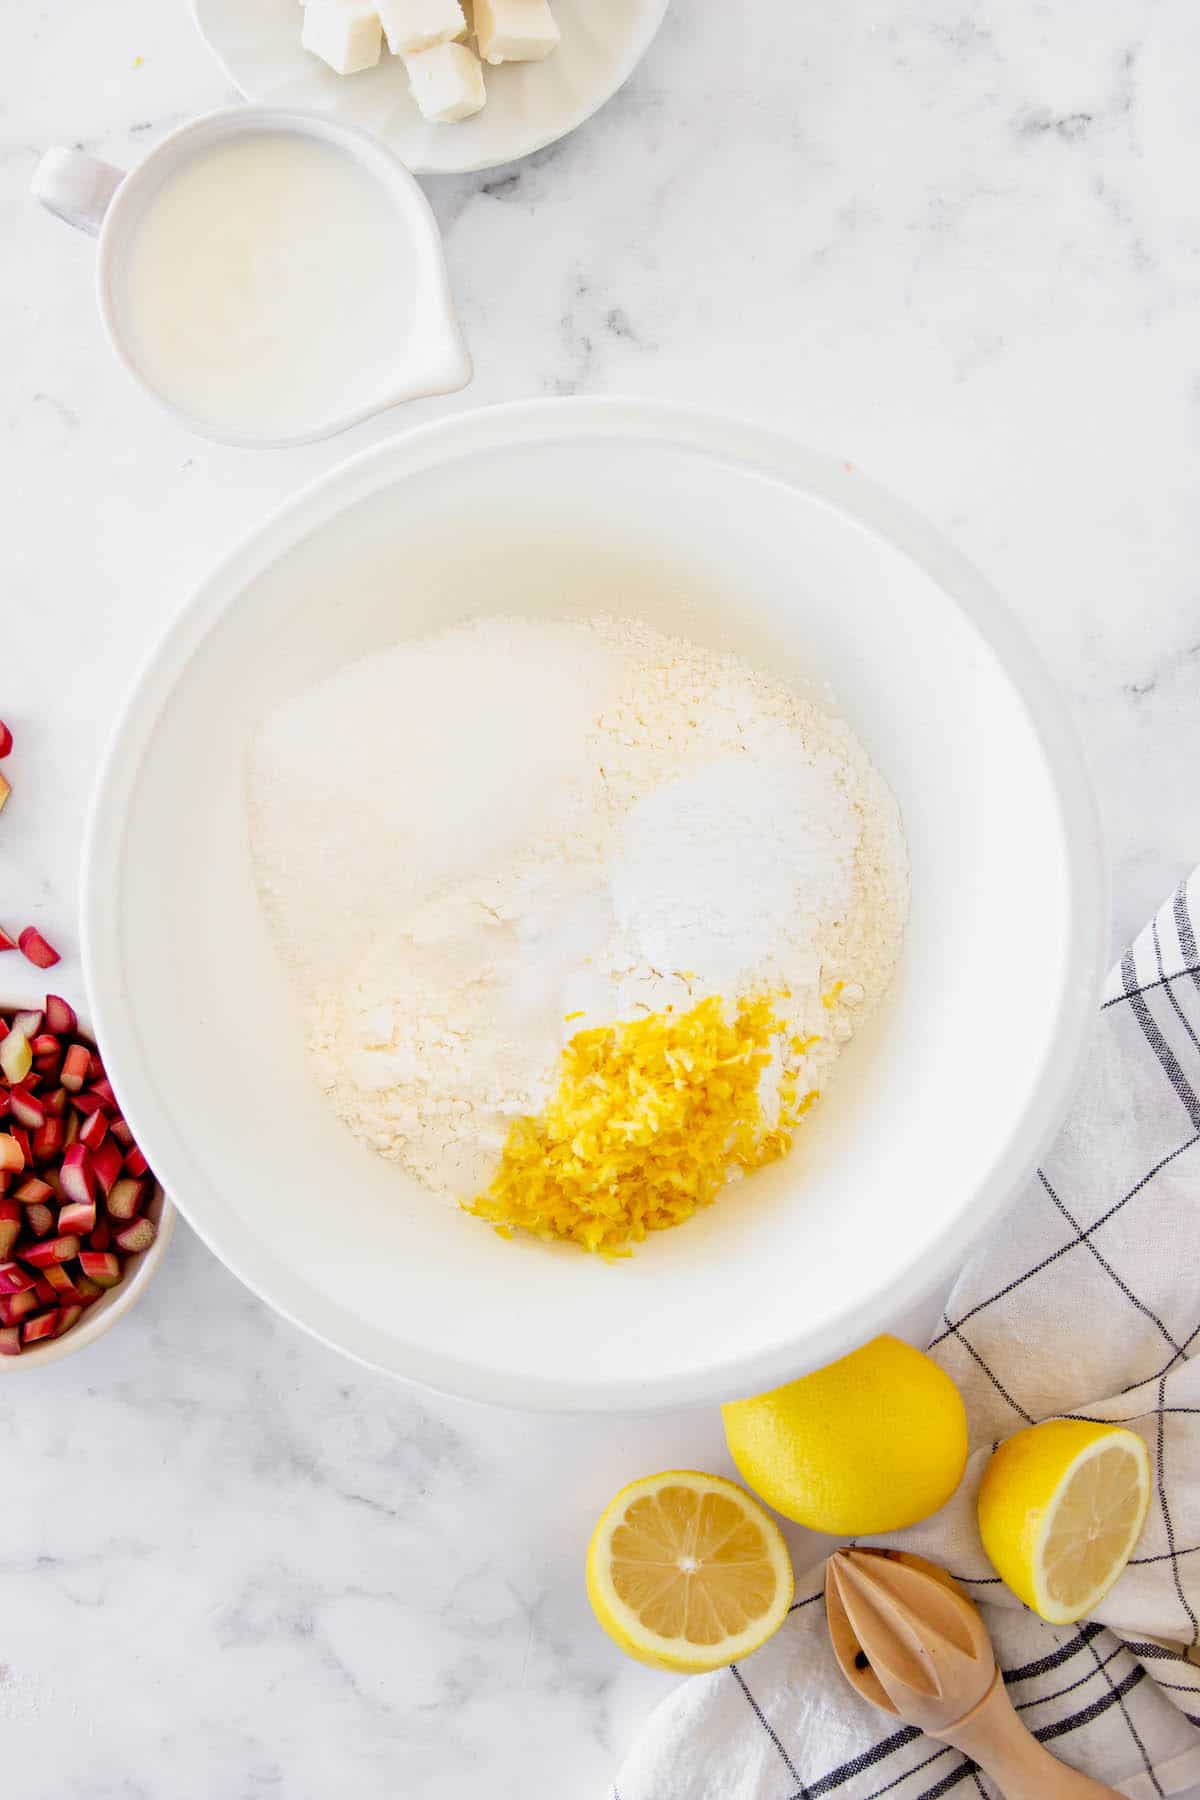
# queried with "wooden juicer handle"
point(996, 1737)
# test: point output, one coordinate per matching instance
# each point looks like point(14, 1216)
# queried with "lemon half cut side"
point(1061, 1508)
point(686, 1572)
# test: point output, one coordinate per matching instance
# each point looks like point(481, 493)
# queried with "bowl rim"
point(113, 1305)
point(774, 453)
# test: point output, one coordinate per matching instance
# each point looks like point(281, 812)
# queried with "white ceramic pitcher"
point(110, 204)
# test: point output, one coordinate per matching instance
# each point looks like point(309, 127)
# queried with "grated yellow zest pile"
point(650, 1119)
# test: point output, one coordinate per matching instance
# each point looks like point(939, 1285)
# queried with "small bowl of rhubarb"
point(83, 1221)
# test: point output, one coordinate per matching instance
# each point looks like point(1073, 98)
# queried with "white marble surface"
point(955, 240)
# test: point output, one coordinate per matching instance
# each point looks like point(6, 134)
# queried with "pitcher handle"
point(76, 187)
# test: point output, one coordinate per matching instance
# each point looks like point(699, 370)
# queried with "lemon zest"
point(651, 1117)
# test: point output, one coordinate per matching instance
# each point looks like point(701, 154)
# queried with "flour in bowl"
point(475, 847)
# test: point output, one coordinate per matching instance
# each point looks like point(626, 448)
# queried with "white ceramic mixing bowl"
point(739, 538)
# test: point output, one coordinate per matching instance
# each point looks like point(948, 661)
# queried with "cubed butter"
point(411, 25)
point(446, 82)
point(514, 30)
point(343, 33)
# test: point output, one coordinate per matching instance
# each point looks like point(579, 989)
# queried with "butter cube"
point(343, 33)
point(446, 82)
point(412, 25)
point(514, 30)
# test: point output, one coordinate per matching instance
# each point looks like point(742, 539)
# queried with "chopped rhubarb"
point(59, 1280)
point(12, 1221)
point(42, 1325)
point(5, 791)
point(125, 1201)
point(16, 1058)
point(36, 950)
point(60, 1016)
point(136, 1236)
point(78, 1218)
point(86, 1103)
point(93, 1131)
point(49, 1138)
point(54, 1250)
point(6, 942)
point(6, 739)
point(77, 1175)
point(26, 1108)
point(64, 1143)
point(102, 1268)
point(106, 1165)
point(33, 1191)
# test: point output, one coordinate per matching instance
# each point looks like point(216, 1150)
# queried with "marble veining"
point(956, 243)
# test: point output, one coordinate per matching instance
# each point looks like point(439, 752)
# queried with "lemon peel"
point(870, 1443)
point(650, 1119)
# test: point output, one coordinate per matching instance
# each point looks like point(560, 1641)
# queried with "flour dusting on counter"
point(475, 847)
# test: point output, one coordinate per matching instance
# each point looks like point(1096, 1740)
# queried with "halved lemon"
point(686, 1572)
point(1061, 1507)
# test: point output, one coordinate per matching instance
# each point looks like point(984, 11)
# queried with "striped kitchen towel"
point(1085, 1302)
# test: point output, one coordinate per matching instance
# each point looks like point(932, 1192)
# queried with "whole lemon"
point(871, 1443)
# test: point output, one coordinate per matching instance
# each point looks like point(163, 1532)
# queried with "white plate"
point(257, 43)
point(741, 539)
